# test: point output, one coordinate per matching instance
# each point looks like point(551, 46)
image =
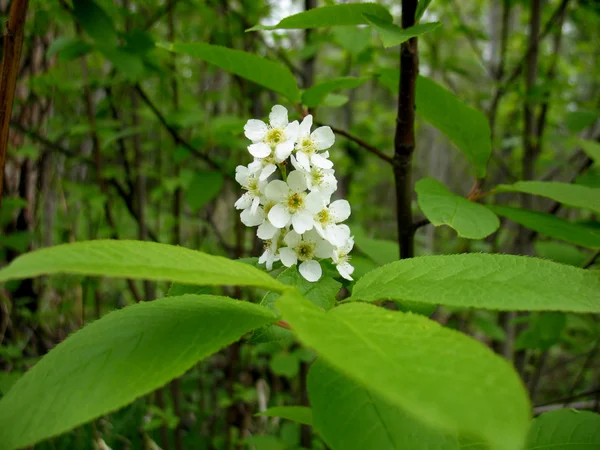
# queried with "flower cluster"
point(295, 216)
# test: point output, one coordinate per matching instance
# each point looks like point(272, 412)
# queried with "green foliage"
point(330, 16)
point(137, 260)
point(316, 95)
point(577, 121)
point(551, 226)
point(592, 148)
point(452, 378)
point(203, 188)
point(544, 331)
point(118, 358)
point(498, 282)
point(264, 72)
point(392, 35)
point(368, 421)
point(300, 414)
point(470, 220)
point(569, 194)
point(565, 429)
point(96, 23)
point(465, 126)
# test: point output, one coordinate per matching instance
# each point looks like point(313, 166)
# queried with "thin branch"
point(421, 223)
point(11, 58)
point(363, 144)
point(587, 404)
point(176, 136)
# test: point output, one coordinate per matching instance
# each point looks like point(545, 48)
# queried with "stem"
point(11, 57)
point(404, 140)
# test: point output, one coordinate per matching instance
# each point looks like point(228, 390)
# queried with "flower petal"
point(251, 220)
point(277, 190)
point(291, 131)
point(266, 231)
point(292, 239)
point(283, 151)
point(339, 210)
point(310, 270)
point(338, 235)
point(267, 171)
point(314, 202)
point(345, 269)
point(320, 161)
point(305, 126)
point(302, 221)
point(255, 130)
point(245, 201)
point(259, 150)
point(255, 204)
point(323, 137)
point(323, 249)
point(279, 216)
point(296, 181)
point(278, 117)
point(241, 175)
point(288, 256)
point(303, 160)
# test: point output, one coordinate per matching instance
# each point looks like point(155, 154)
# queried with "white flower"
point(327, 219)
point(253, 218)
point(254, 187)
point(271, 250)
point(279, 135)
point(263, 167)
point(317, 179)
point(293, 205)
point(309, 144)
point(305, 248)
point(340, 258)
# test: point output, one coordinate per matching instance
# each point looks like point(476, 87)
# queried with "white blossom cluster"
point(295, 216)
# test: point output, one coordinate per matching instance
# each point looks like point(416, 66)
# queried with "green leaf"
point(322, 293)
point(551, 226)
point(498, 282)
point(380, 251)
point(441, 377)
point(560, 252)
point(177, 289)
point(315, 95)
point(68, 48)
point(257, 69)
point(114, 360)
point(285, 365)
point(96, 23)
point(392, 35)
point(470, 220)
point(352, 39)
point(421, 7)
point(565, 429)
point(334, 100)
point(348, 415)
point(330, 16)
point(465, 126)
point(300, 414)
point(137, 260)
point(577, 121)
point(592, 148)
point(203, 188)
point(569, 194)
point(543, 332)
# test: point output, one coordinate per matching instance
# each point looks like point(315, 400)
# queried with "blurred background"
point(112, 137)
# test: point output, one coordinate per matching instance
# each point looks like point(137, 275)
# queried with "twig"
point(587, 404)
point(11, 57)
point(176, 136)
point(421, 223)
point(363, 144)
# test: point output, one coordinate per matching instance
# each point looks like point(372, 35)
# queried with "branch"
point(363, 144)
point(587, 404)
point(176, 136)
point(11, 57)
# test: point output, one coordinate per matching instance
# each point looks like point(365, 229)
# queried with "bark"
point(404, 140)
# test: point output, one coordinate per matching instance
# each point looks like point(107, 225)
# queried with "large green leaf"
point(441, 377)
point(577, 121)
point(350, 416)
point(465, 126)
point(551, 226)
point(330, 16)
point(592, 148)
point(569, 194)
point(470, 220)
point(118, 358)
point(264, 72)
point(300, 414)
point(392, 35)
point(499, 282)
point(316, 94)
point(565, 429)
point(138, 260)
point(96, 23)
